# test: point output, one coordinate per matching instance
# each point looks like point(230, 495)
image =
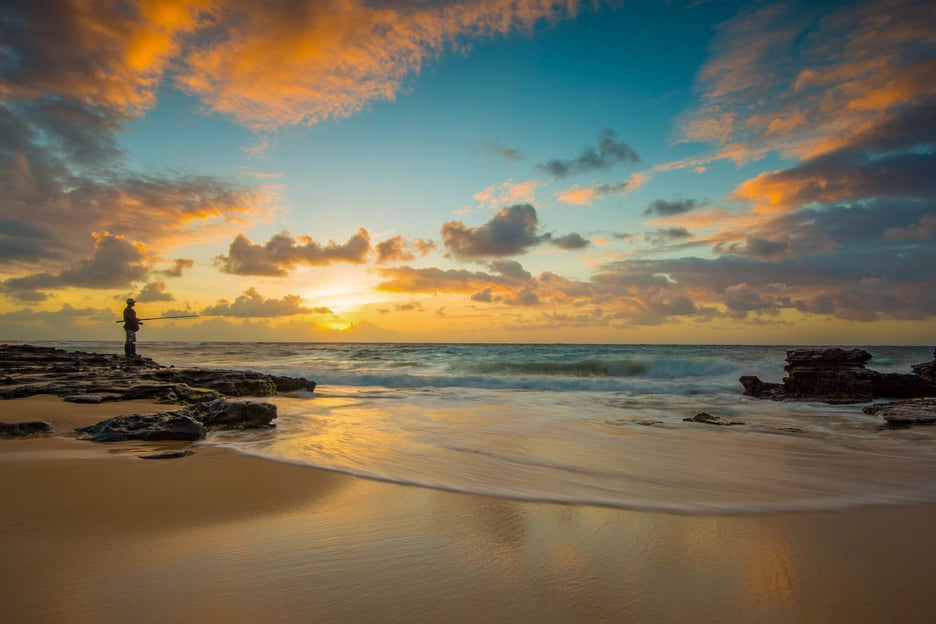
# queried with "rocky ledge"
point(81, 377)
point(841, 376)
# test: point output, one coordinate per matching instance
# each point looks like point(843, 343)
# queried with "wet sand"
point(91, 533)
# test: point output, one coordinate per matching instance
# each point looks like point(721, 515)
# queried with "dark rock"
point(927, 370)
point(167, 454)
point(292, 384)
point(224, 414)
point(227, 382)
point(829, 375)
point(905, 413)
point(838, 376)
point(99, 397)
point(754, 387)
point(178, 425)
point(903, 386)
point(30, 429)
point(708, 419)
point(29, 370)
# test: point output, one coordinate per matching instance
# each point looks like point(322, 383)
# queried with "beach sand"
point(91, 533)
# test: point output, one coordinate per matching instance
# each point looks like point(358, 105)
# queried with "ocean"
point(577, 424)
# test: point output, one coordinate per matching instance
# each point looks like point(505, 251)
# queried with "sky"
point(687, 171)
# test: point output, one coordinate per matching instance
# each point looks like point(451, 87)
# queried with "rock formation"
point(189, 423)
point(81, 377)
point(840, 376)
point(77, 376)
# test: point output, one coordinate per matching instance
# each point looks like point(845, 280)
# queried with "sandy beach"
point(92, 533)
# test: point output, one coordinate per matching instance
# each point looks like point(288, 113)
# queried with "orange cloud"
point(111, 55)
point(302, 63)
point(855, 66)
point(578, 196)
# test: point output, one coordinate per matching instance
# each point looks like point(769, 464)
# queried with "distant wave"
point(582, 368)
point(598, 367)
point(543, 382)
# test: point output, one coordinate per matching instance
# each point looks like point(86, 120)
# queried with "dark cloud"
point(25, 242)
point(154, 291)
point(116, 263)
point(570, 241)
point(608, 154)
point(924, 229)
point(59, 165)
point(765, 249)
point(510, 269)
point(664, 208)
point(282, 253)
point(507, 153)
point(665, 236)
point(434, 280)
point(483, 296)
point(66, 313)
point(178, 266)
point(523, 297)
point(253, 304)
point(511, 231)
point(412, 306)
point(396, 249)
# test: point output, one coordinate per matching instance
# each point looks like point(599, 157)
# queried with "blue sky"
point(470, 170)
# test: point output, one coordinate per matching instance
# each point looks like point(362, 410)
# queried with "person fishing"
point(131, 326)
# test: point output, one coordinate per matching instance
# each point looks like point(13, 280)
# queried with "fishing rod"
point(160, 318)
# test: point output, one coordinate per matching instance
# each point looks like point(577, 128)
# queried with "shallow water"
point(592, 424)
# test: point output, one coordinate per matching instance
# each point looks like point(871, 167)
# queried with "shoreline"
point(92, 533)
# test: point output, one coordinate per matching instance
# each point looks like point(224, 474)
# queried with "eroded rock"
point(905, 413)
point(29, 429)
point(707, 419)
point(177, 425)
point(838, 376)
point(93, 377)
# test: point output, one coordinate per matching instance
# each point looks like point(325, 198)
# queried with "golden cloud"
point(269, 65)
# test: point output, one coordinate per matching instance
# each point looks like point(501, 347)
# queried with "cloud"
point(282, 253)
point(510, 269)
point(65, 314)
point(585, 196)
point(570, 241)
point(287, 63)
point(252, 304)
point(154, 291)
point(666, 208)
point(840, 176)
point(763, 248)
point(511, 154)
point(396, 249)
point(25, 242)
point(511, 231)
point(806, 78)
point(664, 236)
point(59, 165)
point(435, 280)
point(108, 54)
point(924, 229)
point(508, 193)
point(608, 154)
point(116, 263)
point(178, 266)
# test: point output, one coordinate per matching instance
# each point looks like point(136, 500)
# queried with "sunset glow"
point(470, 170)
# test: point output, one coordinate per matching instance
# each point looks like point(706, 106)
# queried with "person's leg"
point(130, 345)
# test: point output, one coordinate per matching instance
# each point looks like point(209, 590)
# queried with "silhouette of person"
point(131, 326)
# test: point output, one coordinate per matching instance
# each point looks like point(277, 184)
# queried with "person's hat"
point(131, 300)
